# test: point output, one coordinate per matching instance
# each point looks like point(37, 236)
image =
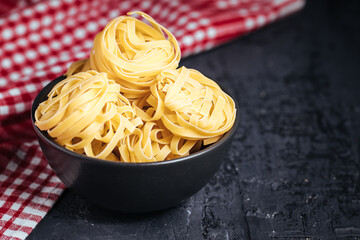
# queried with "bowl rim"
point(228, 135)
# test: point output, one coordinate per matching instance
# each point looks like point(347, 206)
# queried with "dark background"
point(293, 168)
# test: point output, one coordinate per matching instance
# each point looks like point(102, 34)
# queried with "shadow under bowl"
point(132, 187)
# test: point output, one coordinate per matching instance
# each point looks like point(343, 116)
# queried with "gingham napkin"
point(39, 40)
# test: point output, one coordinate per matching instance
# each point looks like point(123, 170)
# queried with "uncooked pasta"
point(189, 104)
point(128, 102)
point(132, 52)
point(87, 114)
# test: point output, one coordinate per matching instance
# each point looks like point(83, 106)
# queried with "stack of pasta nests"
point(130, 102)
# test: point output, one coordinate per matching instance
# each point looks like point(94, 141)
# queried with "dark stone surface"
point(293, 169)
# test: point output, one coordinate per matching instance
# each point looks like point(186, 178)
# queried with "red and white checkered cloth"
point(38, 41)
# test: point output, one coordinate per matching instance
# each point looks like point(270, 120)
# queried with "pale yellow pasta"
point(132, 52)
point(152, 142)
point(87, 114)
point(189, 105)
point(129, 103)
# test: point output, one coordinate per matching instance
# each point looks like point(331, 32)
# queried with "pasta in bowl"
point(129, 130)
point(132, 187)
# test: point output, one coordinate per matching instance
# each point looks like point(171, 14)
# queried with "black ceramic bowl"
point(132, 187)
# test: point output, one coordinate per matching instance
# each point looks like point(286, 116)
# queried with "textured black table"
point(293, 169)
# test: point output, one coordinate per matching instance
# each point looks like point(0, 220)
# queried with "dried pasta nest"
point(152, 142)
point(132, 52)
point(87, 114)
point(189, 105)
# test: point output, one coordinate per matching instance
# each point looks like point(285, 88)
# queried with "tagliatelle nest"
point(132, 52)
point(87, 114)
point(153, 142)
point(189, 104)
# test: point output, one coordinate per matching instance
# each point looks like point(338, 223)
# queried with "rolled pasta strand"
point(87, 114)
point(82, 65)
point(132, 52)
